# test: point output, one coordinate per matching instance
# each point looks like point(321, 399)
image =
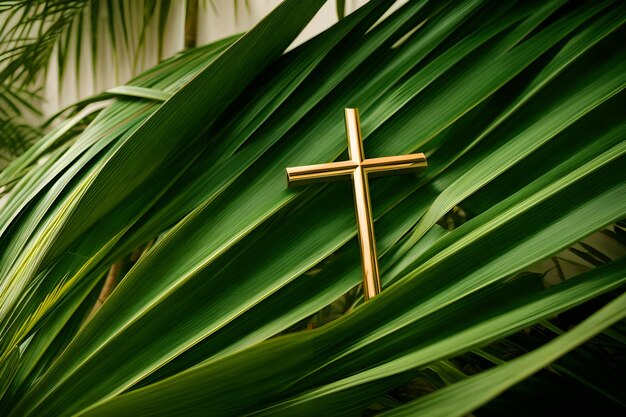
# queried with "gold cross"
point(358, 168)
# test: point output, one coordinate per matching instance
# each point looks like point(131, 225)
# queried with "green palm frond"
point(16, 135)
point(518, 107)
point(32, 31)
point(28, 34)
point(464, 397)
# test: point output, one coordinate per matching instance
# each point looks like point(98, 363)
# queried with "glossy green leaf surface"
point(519, 109)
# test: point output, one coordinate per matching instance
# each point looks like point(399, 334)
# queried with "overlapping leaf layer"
point(517, 106)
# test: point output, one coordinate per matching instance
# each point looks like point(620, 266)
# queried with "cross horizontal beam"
point(387, 165)
point(359, 169)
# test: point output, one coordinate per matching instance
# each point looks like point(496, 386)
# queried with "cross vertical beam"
point(362, 206)
point(358, 169)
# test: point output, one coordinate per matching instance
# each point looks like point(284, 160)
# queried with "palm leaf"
point(518, 107)
point(473, 391)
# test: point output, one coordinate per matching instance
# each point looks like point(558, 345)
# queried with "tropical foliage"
point(518, 107)
point(34, 32)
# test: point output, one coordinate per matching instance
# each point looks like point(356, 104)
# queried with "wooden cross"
point(359, 169)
